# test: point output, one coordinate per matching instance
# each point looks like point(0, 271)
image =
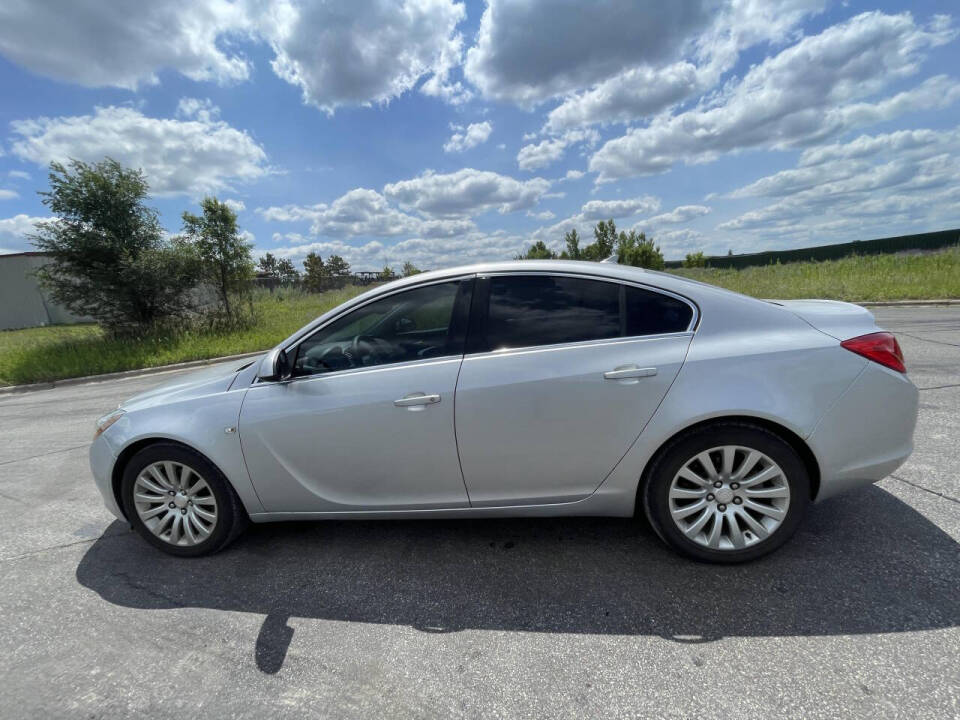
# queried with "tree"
point(286, 271)
point(225, 260)
point(695, 260)
point(635, 249)
point(108, 256)
point(268, 264)
point(410, 269)
point(337, 267)
point(538, 251)
point(386, 273)
point(605, 239)
point(572, 241)
point(314, 272)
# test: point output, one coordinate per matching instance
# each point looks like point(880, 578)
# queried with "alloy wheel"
point(175, 503)
point(729, 497)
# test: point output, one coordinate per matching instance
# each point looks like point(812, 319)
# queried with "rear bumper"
point(868, 433)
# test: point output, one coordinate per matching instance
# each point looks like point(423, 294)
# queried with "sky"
point(443, 133)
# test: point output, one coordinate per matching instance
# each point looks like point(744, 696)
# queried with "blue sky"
point(442, 133)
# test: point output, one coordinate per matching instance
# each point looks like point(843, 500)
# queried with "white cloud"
point(802, 95)
point(425, 253)
point(680, 214)
point(336, 53)
point(677, 243)
point(8, 194)
point(619, 61)
point(544, 153)
point(574, 174)
point(105, 43)
point(544, 215)
point(529, 51)
point(14, 231)
point(634, 93)
point(197, 109)
point(237, 206)
point(870, 184)
point(19, 174)
point(364, 212)
point(364, 52)
point(178, 156)
point(475, 134)
point(466, 192)
point(603, 209)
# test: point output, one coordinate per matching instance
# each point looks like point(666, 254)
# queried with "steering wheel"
point(363, 345)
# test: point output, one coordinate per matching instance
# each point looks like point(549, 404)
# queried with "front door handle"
point(417, 401)
point(629, 372)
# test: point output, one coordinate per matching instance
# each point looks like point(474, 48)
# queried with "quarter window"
point(652, 313)
point(414, 325)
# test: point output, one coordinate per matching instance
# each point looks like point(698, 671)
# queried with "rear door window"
point(535, 310)
point(530, 310)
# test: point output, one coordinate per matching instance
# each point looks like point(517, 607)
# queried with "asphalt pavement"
point(857, 616)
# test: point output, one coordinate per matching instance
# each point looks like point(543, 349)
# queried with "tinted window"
point(528, 310)
point(650, 313)
point(412, 325)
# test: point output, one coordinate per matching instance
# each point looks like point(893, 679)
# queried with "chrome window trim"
point(359, 370)
point(529, 349)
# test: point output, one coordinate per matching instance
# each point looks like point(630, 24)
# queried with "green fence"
point(922, 241)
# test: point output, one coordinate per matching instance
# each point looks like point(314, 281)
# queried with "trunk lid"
point(841, 320)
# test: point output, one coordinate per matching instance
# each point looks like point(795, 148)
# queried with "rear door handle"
point(417, 401)
point(628, 372)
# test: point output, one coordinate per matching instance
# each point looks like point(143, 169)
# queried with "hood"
point(206, 381)
point(841, 320)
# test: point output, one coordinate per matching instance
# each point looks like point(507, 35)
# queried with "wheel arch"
point(123, 458)
point(799, 445)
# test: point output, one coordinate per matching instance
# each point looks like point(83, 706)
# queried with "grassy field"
point(927, 276)
point(54, 353)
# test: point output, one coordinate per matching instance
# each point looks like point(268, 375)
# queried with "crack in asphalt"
point(13, 499)
point(935, 342)
point(59, 546)
point(52, 452)
point(932, 492)
point(940, 387)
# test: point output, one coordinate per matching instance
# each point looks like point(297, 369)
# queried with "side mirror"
point(275, 366)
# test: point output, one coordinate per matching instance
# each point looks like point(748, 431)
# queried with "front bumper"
point(868, 433)
point(102, 460)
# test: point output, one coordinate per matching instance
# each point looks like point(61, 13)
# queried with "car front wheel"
point(727, 492)
point(180, 502)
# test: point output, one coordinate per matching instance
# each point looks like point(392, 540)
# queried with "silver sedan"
point(524, 389)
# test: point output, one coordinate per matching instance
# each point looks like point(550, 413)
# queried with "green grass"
point(927, 276)
point(55, 353)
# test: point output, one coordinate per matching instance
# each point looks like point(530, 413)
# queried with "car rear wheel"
point(727, 492)
point(180, 502)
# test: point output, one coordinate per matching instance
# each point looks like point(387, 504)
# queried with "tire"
point(141, 495)
point(737, 521)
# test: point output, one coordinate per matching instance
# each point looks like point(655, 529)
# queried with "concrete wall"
point(22, 302)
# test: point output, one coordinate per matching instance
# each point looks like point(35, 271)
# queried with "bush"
point(109, 259)
point(695, 260)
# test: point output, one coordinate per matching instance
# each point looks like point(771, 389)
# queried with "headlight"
point(106, 421)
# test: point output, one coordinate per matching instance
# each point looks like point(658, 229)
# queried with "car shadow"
point(861, 563)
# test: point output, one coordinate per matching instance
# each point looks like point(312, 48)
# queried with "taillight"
point(881, 347)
